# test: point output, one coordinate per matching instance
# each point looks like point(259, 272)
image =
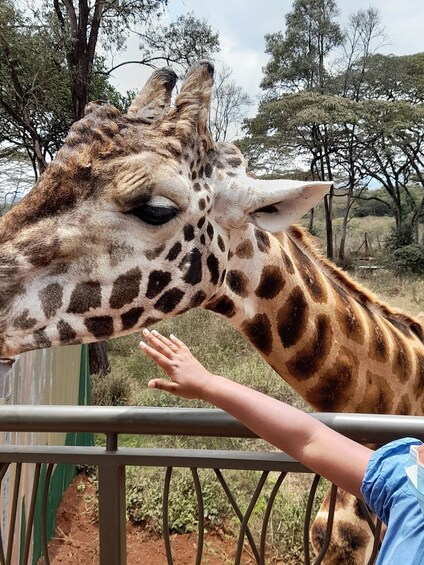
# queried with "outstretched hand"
point(189, 379)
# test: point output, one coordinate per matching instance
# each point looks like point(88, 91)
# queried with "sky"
point(242, 25)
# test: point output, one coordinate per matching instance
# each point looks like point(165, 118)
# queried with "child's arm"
point(318, 447)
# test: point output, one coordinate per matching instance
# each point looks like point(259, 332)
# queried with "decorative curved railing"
point(112, 460)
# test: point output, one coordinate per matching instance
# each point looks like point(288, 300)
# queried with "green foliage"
point(408, 260)
point(399, 238)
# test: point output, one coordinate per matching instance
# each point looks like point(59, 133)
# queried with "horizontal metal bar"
point(366, 428)
point(157, 457)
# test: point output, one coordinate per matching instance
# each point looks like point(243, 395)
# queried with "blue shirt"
point(385, 490)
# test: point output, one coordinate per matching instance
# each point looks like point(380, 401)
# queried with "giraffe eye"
point(154, 215)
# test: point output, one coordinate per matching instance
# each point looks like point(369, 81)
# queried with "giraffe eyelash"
point(154, 215)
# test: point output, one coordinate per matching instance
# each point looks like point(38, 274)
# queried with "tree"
point(229, 105)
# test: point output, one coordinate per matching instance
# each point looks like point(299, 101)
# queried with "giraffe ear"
point(277, 204)
point(155, 97)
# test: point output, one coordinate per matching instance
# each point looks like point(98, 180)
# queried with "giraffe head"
point(132, 221)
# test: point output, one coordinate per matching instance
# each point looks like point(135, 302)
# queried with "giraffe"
point(141, 216)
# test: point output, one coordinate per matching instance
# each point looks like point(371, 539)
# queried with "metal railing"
point(112, 460)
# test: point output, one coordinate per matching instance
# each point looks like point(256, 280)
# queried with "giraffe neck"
point(332, 341)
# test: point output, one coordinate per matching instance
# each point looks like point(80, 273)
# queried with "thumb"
point(161, 384)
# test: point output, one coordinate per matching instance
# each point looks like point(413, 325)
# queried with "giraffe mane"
point(363, 296)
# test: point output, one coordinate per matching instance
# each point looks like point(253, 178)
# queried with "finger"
point(158, 342)
point(167, 386)
point(180, 344)
point(163, 339)
point(157, 356)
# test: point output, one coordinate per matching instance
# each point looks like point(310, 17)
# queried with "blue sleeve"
point(385, 479)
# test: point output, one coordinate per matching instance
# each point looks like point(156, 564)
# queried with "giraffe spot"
point(158, 280)
point(24, 321)
point(292, 318)
point(188, 232)
point(213, 266)
point(202, 239)
point(223, 275)
point(310, 274)
point(155, 252)
point(348, 321)
point(100, 326)
point(238, 282)
point(271, 283)
point(379, 396)
point(354, 536)
point(201, 222)
point(222, 305)
point(378, 349)
point(404, 407)
point(150, 321)
point(51, 299)
point(234, 162)
point(208, 170)
point(193, 175)
point(198, 299)
point(125, 289)
point(332, 394)
point(419, 377)
point(309, 360)
point(191, 265)
point(58, 269)
point(174, 251)
point(130, 318)
point(402, 363)
point(84, 297)
point(202, 204)
point(210, 231)
point(262, 240)
point(169, 300)
point(258, 331)
point(40, 250)
point(41, 340)
point(221, 243)
point(201, 171)
point(244, 250)
point(287, 262)
point(197, 187)
point(66, 333)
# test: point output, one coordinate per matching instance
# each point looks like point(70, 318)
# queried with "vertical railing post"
point(112, 509)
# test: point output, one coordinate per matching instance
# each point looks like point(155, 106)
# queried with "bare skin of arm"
point(321, 449)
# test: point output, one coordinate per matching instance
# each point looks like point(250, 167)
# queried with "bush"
point(408, 260)
point(113, 389)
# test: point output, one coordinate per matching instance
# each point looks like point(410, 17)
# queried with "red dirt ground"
point(77, 537)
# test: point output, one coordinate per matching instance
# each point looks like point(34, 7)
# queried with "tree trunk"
point(98, 359)
point(329, 223)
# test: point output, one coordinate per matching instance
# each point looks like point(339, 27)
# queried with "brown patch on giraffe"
point(51, 299)
point(308, 361)
point(221, 243)
point(262, 240)
point(23, 321)
point(402, 362)
point(125, 289)
point(154, 253)
point(287, 262)
point(213, 266)
point(201, 222)
point(129, 319)
point(174, 251)
point(222, 305)
point(197, 299)
point(271, 282)
point(84, 297)
point(333, 393)
point(379, 396)
point(40, 250)
point(41, 340)
point(404, 408)
point(238, 282)
point(188, 232)
point(309, 273)
point(100, 326)
point(292, 318)
point(258, 331)
point(350, 324)
point(379, 348)
point(169, 300)
point(244, 250)
point(191, 266)
point(66, 333)
point(158, 280)
point(202, 204)
point(210, 231)
point(342, 499)
point(418, 384)
point(58, 269)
